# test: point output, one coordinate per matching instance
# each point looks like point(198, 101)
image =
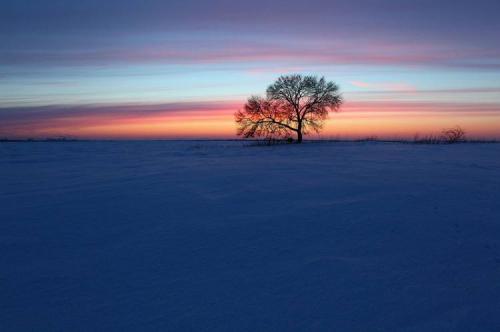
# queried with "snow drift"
point(175, 236)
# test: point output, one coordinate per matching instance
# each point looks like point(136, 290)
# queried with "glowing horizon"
point(215, 120)
point(130, 69)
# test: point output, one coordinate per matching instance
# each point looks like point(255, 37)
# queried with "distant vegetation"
point(47, 139)
point(448, 136)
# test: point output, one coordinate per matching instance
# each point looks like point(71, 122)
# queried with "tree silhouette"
point(294, 104)
point(453, 135)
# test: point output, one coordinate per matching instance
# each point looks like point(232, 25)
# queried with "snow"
point(220, 236)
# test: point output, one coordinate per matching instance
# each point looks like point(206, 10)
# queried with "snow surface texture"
point(217, 236)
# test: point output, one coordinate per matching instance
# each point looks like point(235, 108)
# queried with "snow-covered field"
point(217, 236)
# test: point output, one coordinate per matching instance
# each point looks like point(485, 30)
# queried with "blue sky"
point(74, 56)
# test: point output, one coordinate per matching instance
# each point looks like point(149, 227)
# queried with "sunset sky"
point(180, 69)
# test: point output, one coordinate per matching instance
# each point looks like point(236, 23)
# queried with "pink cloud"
point(338, 52)
point(100, 119)
point(385, 86)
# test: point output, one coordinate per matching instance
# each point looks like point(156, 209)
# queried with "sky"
point(151, 69)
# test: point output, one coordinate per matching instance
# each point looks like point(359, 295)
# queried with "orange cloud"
point(215, 120)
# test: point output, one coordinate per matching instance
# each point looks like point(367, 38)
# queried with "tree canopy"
point(294, 105)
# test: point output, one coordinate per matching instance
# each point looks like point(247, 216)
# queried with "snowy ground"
point(215, 236)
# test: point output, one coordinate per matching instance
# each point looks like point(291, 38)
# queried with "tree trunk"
point(299, 136)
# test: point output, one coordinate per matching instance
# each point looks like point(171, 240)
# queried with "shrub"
point(453, 135)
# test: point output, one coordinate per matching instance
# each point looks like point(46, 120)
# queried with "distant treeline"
point(48, 139)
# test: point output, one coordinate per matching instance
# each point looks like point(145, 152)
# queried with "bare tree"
point(294, 105)
point(453, 135)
